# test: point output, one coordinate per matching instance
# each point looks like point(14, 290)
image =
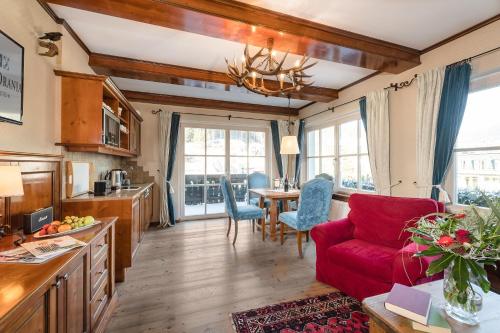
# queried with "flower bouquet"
point(464, 243)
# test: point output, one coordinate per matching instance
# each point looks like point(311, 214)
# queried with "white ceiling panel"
point(413, 23)
point(125, 38)
point(241, 96)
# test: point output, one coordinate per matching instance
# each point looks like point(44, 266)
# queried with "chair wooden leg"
point(253, 225)
point(307, 236)
point(299, 243)
point(229, 226)
point(263, 228)
point(235, 231)
point(282, 233)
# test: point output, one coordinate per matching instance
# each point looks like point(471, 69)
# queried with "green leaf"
point(420, 240)
point(418, 232)
point(431, 251)
point(480, 220)
point(461, 273)
point(480, 274)
point(440, 264)
point(494, 209)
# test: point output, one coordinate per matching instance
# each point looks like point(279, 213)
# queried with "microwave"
point(111, 128)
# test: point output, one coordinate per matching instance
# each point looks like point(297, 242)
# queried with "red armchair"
point(367, 252)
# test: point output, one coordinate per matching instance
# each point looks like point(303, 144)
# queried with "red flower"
point(445, 241)
point(459, 216)
point(462, 236)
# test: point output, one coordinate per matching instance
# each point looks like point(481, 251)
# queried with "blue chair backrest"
point(229, 200)
point(257, 180)
point(314, 204)
point(325, 176)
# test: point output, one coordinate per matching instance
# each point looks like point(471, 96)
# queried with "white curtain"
point(430, 85)
point(283, 129)
point(163, 139)
point(377, 120)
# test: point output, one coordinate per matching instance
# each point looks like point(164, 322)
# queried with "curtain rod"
point(476, 56)
point(229, 117)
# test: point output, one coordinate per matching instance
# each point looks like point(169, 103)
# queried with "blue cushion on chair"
point(249, 212)
point(255, 202)
point(289, 218)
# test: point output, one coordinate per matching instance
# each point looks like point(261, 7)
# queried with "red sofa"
point(367, 252)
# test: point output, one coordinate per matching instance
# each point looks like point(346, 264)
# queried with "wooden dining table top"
point(275, 194)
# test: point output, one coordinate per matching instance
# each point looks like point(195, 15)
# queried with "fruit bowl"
point(69, 225)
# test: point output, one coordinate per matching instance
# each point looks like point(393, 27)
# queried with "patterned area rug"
point(331, 313)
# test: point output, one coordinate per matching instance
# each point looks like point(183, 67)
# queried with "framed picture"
point(11, 80)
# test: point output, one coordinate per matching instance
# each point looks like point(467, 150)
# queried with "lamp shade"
point(289, 145)
point(11, 182)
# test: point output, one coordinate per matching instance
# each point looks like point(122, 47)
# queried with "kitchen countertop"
point(120, 195)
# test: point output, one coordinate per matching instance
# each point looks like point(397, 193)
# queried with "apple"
point(52, 230)
point(42, 232)
point(45, 226)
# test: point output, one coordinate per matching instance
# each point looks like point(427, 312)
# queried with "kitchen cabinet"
point(131, 207)
point(59, 295)
point(82, 126)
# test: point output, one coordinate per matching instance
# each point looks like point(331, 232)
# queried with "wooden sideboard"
point(134, 210)
point(74, 292)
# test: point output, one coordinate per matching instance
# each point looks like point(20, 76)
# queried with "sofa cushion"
point(365, 258)
point(381, 219)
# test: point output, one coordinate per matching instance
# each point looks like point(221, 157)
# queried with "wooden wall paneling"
point(42, 187)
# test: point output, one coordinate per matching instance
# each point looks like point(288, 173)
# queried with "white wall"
point(402, 103)
point(24, 21)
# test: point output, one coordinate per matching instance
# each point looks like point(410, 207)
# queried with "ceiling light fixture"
point(289, 143)
point(254, 70)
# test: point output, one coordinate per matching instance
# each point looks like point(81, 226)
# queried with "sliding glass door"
point(210, 153)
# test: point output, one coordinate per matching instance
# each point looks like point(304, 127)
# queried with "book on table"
point(409, 302)
point(437, 323)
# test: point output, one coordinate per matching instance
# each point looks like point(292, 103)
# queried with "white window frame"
point(336, 122)
point(227, 128)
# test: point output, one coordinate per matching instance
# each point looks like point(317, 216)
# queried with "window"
point(476, 166)
point(210, 153)
point(340, 151)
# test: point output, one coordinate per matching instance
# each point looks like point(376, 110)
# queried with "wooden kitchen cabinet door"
point(73, 296)
point(136, 224)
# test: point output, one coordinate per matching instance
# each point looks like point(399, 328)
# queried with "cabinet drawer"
point(99, 274)
point(98, 303)
point(98, 249)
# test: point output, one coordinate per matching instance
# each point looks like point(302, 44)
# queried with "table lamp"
point(11, 185)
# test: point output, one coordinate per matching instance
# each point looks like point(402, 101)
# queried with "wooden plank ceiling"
point(243, 23)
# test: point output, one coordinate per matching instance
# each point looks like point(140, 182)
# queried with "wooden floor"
point(190, 278)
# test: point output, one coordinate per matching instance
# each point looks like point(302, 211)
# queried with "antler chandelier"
point(255, 72)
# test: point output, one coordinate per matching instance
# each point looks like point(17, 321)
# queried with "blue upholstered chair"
point(258, 180)
point(325, 176)
point(235, 212)
point(314, 207)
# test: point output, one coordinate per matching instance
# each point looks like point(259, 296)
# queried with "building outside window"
point(476, 165)
point(340, 150)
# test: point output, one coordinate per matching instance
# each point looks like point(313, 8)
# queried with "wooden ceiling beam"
point(243, 23)
point(151, 71)
point(137, 96)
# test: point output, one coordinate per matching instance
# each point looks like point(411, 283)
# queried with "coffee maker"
point(116, 177)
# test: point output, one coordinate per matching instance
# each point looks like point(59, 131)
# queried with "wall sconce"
point(47, 42)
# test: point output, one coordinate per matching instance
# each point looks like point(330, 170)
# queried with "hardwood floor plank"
point(190, 278)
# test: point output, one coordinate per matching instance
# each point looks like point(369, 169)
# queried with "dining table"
point(274, 196)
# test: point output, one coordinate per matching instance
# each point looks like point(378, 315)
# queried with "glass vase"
point(465, 310)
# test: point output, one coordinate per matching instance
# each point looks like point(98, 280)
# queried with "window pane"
point(239, 143)
point(257, 143)
point(481, 119)
point(313, 143)
point(215, 165)
point(194, 141)
point(239, 165)
point(328, 166)
point(215, 200)
point(194, 202)
point(349, 138)
point(215, 141)
point(349, 172)
point(194, 165)
point(312, 167)
point(366, 174)
point(476, 172)
point(328, 141)
point(257, 164)
point(363, 145)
